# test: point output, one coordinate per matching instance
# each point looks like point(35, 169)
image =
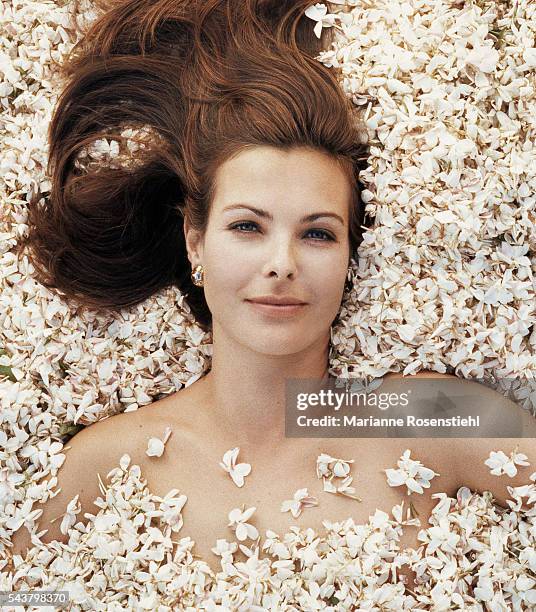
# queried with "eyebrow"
point(267, 215)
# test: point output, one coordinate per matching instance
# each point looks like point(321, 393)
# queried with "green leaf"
point(69, 429)
point(7, 371)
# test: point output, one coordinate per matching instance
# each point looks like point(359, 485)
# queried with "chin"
point(280, 343)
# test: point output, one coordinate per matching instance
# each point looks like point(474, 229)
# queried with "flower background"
point(443, 279)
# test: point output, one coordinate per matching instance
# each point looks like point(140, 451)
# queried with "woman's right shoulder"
point(95, 451)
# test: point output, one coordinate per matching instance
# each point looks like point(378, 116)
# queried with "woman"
point(259, 153)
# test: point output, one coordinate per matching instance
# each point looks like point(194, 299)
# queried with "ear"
point(194, 243)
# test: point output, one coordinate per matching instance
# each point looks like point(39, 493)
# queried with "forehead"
point(266, 175)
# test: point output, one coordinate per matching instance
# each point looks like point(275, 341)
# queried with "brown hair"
point(209, 78)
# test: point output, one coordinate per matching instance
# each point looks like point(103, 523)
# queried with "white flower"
point(441, 536)
point(237, 470)
point(411, 473)
point(171, 509)
point(7, 488)
point(243, 529)
point(284, 569)
point(301, 500)
point(329, 466)
point(273, 545)
point(397, 511)
point(501, 464)
point(322, 465)
point(155, 447)
point(69, 518)
point(484, 591)
point(483, 58)
point(518, 493)
point(318, 13)
point(343, 489)
point(106, 522)
point(224, 548)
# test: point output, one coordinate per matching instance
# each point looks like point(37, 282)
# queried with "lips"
point(276, 301)
point(277, 310)
point(280, 304)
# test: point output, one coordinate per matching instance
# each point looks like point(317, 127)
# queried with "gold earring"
point(349, 283)
point(197, 276)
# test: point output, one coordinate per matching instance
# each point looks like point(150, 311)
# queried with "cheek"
point(334, 270)
point(334, 290)
point(228, 268)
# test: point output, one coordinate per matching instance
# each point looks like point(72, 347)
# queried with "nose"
point(280, 261)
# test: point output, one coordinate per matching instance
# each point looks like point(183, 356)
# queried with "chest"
point(212, 494)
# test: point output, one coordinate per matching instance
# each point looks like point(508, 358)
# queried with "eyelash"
point(328, 238)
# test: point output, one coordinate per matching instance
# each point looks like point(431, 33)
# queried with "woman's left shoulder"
point(498, 409)
point(498, 416)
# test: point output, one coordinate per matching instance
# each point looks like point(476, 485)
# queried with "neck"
point(244, 392)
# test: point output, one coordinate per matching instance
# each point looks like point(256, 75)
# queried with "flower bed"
point(443, 279)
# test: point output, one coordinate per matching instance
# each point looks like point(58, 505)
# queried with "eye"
point(236, 226)
point(325, 236)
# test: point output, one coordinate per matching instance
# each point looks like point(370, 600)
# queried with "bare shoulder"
point(500, 416)
point(435, 394)
point(503, 426)
point(94, 452)
point(506, 429)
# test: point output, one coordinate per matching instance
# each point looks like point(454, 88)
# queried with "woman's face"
point(258, 242)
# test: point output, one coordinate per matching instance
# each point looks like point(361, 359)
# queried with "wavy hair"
point(206, 78)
